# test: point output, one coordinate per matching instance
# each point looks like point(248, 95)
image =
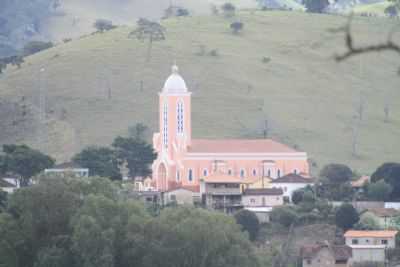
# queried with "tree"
point(137, 154)
point(25, 161)
point(367, 222)
point(103, 25)
point(336, 173)
point(3, 200)
point(285, 216)
point(228, 9)
point(236, 27)
point(139, 131)
point(101, 161)
point(390, 173)
point(346, 216)
point(391, 11)
point(249, 222)
point(379, 191)
point(316, 6)
point(148, 30)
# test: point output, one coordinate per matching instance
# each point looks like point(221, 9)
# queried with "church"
point(183, 161)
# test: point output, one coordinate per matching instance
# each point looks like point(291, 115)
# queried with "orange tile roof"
point(238, 146)
point(384, 234)
point(222, 178)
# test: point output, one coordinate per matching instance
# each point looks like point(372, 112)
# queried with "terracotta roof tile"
point(293, 178)
point(238, 146)
point(384, 234)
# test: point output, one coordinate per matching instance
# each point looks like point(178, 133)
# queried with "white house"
point(182, 196)
point(370, 245)
point(262, 197)
point(290, 183)
point(68, 168)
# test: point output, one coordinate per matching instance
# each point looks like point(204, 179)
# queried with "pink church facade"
point(185, 161)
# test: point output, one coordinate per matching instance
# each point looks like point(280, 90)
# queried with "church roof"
point(175, 83)
point(238, 146)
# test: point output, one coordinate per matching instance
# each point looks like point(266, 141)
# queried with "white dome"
point(175, 83)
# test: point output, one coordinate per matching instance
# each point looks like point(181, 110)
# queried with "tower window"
point(178, 177)
point(179, 117)
point(269, 173)
point(190, 175)
point(254, 172)
point(229, 172)
point(279, 173)
point(205, 172)
point(242, 173)
point(165, 125)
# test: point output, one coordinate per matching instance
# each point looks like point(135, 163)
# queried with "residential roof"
point(293, 178)
point(263, 192)
point(238, 146)
point(222, 178)
point(253, 179)
point(360, 182)
point(382, 233)
point(194, 188)
point(340, 252)
point(382, 212)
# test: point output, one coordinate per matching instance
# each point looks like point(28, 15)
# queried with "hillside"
point(308, 98)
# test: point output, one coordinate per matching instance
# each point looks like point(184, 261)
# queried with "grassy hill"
point(308, 99)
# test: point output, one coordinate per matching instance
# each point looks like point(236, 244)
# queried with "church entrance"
point(162, 177)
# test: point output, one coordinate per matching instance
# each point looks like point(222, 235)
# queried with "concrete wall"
point(182, 197)
point(257, 201)
point(368, 254)
point(370, 241)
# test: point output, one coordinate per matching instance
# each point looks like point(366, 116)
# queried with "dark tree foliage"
point(390, 173)
point(284, 215)
point(336, 173)
point(346, 216)
point(391, 11)
point(379, 191)
point(3, 200)
point(34, 47)
point(236, 27)
point(25, 161)
point(101, 161)
point(137, 154)
point(297, 196)
point(249, 222)
point(316, 6)
point(102, 25)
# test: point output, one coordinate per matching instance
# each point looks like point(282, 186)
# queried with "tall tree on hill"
point(390, 173)
point(148, 30)
point(24, 161)
point(136, 154)
point(101, 161)
point(335, 182)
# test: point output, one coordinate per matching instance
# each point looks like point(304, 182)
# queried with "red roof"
point(382, 234)
point(238, 146)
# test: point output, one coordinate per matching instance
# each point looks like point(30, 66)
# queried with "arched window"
point(295, 171)
point(242, 173)
point(179, 117)
point(178, 177)
point(205, 172)
point(190, 175)
point(165, 125)
point(229, 172)
point(279, 173)
point(254, 172)
point(269, 173)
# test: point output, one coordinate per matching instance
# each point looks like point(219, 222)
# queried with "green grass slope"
point(308, 99)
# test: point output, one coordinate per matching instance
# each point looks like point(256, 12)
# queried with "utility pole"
point(42, 138)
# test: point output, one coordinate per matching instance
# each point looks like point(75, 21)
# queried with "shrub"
point(103, 25)
point(346, 216)
point(36, 47)
point(249, 222)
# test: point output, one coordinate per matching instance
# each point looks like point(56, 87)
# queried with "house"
point(290, 183)
point(262, 213)
point(326, 255)
point(257, 182)
point(186, 160)
point(68, 168)
point(188, 195)
point(370, 245)
point(383, 217)
point(264, 197)
point(221, 192)
point(146, 184)
point(9, 185)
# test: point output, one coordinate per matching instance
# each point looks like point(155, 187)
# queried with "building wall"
point(260, 201)
point(288, 188)
point(368, 254)
point(181, 196)
point(324, 258)
point(370, 241)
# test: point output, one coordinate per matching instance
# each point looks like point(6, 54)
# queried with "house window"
point(254, 172)
point(367, 240)
point(242, 173)
point(309, 261)
point(179, 117)
point(252, 200)
point(165, 125)
point(295, 171)
point(384, 242)
point(173, 197)
point(279, 173)
point(205, 172)
point(190, 175)
point(354, 241)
